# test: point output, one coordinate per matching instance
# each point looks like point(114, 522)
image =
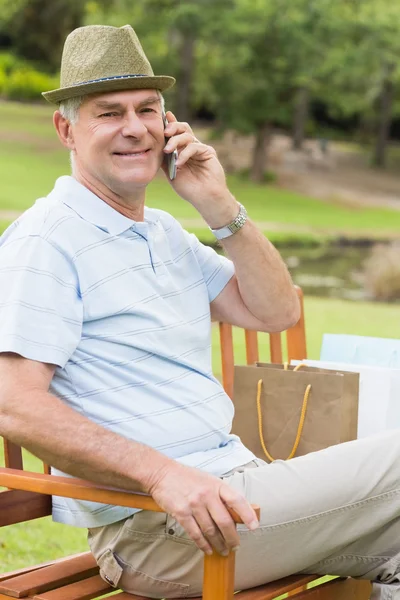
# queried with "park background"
point(300, 98)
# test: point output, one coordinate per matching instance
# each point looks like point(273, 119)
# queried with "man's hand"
point(199, 501)
point(200, 178)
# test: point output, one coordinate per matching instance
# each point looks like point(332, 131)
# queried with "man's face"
point(119, 138)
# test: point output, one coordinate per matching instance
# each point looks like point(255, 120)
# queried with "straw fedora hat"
point(99, 58)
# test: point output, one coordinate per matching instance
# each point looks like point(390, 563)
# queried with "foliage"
point(268, 176)
point(36, 29)
point(371, 45)
point(27, 84)
point(20, 81)
point(9, 63)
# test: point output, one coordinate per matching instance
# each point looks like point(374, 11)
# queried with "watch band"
point(234, 226)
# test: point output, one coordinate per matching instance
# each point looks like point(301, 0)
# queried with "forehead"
point(124, 97)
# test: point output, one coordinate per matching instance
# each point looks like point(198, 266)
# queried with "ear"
point(64, 130)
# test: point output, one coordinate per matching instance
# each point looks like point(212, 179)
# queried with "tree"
point(38, 28)
point(362, 74)
point(172, 33)
point(268, 52)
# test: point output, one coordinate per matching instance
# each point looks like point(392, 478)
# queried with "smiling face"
point(118, 140)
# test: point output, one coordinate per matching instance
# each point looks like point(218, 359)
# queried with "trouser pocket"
point(110, 569)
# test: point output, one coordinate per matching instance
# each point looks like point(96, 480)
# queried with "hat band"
point(111, 78)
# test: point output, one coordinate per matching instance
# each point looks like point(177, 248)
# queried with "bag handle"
point(301, 421)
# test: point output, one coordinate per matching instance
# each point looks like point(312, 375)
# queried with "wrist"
point(220, 213)
point(157, 468)
point(233, 227)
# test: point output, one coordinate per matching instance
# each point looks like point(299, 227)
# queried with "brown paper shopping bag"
point(300, 411)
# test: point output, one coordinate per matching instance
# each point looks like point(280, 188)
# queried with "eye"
point(148, 110)
point(109, 114)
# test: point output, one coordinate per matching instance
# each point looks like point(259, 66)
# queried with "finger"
point(175, 127)
point(240, 505)
point(171, 117)
point(194, 532)
point(200, 151)
point(179, 141)
point(210, 530)
point(225, 524)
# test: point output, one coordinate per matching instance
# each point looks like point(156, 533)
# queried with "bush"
point(382, 272)
point(3, 79)
point(27, 84)
point(9, 63)
point(19, 80)
point(287, 239)
point(268, 176)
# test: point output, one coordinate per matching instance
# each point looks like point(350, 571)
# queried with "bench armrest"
point(71, 487)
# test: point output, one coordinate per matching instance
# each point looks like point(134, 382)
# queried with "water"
point(334, 271)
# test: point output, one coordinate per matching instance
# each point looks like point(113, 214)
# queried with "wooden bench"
point(77, 577)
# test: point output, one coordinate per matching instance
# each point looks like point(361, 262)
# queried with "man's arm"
point(35, 419)
point(261, 294)
point(59, 435)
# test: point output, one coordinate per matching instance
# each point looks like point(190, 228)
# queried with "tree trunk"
point(384, 121)
point(300, 117)
point(260, 150)
point(183, 111)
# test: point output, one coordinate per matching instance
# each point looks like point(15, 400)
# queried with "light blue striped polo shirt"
point(123, 309)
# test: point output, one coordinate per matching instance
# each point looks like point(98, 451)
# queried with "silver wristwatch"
point(237, 223)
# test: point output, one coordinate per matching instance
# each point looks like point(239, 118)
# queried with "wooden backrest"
point(17, 506)
point(295, 346)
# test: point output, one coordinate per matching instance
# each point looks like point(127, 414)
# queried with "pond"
point(330, 271)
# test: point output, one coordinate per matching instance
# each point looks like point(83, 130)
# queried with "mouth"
point(132, 154)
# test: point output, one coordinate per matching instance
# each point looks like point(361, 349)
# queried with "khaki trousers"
point(333, 512)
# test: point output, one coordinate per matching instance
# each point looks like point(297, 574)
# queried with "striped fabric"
point(123, 309)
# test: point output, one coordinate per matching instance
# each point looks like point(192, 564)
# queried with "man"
point(105, 355)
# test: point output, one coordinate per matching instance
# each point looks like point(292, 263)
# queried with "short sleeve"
point(217, 270)
point(40, 303)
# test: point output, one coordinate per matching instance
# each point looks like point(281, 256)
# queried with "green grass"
point(31, 158)
point(29, 543)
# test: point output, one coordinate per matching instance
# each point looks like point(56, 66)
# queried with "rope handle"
point(301, 421)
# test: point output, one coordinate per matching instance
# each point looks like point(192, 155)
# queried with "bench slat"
point(345, 589)
point(17, 506)
point(263, 592)
point(18, 572)
point(48, 578)
point(80, 590)
point(276, 588)
point(126, 596)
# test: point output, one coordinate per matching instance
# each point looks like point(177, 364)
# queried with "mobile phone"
point(172, 157)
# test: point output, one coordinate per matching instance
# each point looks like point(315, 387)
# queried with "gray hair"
point(70, 108)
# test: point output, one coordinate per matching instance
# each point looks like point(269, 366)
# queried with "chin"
point(137, 176)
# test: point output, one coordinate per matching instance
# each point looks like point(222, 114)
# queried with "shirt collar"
point(92, 208)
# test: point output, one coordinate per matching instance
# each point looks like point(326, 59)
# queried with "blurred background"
point(301, 99)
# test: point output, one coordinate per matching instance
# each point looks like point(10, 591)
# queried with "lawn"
point(31, 158)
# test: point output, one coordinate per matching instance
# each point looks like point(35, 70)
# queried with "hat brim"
point(162, 83)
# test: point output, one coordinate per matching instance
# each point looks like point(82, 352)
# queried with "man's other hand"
point(200, 177)
point(199, 501)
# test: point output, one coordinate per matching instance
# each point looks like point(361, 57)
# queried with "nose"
point(133, 126)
